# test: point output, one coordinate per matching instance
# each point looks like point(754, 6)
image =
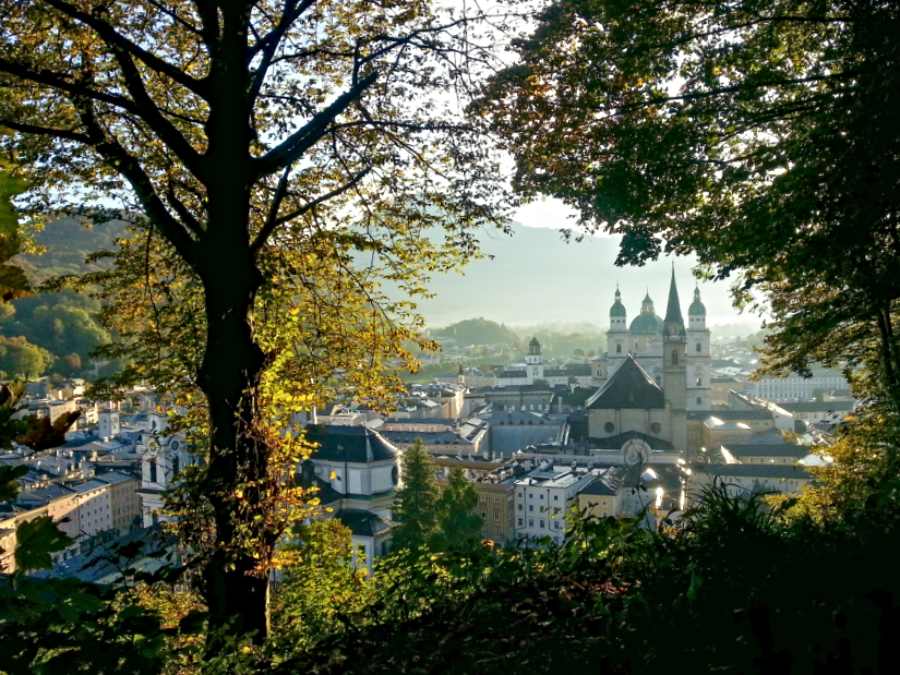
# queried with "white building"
point(543, 498)
point(357, 472)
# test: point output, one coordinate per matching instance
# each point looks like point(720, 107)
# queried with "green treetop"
point(458, 526)
point(415, 506)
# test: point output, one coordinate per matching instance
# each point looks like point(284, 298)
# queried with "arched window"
point(152, 470)
point(176, 465)
point(674, 357)
point(609, 427)
point(699, 381)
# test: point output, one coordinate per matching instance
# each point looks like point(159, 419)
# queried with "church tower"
point(675, 367)
point(699, 361)
point(534, 362)
point(617, 345)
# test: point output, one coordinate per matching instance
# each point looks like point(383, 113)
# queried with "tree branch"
point(274, 220)
point(268, 45)
point(115, 39)
point(64, 134)
point(116, 155)
point(304, 138)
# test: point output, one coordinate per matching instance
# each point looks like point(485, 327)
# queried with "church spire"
point(674, 323)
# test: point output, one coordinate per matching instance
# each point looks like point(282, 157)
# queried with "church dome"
point(697, 308)
point(646, 324)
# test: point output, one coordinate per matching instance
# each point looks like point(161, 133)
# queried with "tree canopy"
point(760, 135)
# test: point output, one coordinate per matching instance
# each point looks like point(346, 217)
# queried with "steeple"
point(674, 323)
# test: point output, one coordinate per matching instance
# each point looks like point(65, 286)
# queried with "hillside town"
point(640, 431)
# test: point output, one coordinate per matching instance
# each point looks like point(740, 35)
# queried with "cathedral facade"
point(642, 339)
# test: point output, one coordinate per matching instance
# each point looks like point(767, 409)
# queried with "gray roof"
point(362, 523)
point(766, 450)
point(598, 487)
point(345, 443)
point(818, 406)
point(629, 387)
point(754, 470)
point(729, 415)
point(512, 373)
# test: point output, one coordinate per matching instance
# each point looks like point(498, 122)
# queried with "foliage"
point(20, 358)
point(458, 526)
point(415, 504)
point(760, 135)
point(323, 585)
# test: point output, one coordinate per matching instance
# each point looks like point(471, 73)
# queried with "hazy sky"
point(535, 277)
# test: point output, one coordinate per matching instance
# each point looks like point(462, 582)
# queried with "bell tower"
point(675, 367)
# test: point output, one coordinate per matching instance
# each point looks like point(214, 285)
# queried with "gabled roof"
point(629, 387)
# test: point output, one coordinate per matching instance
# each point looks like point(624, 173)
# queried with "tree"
point(458, 526)
point(241, 131)
point(415, 506)
point(23, 359)
point(322, 582)
point(761, 135)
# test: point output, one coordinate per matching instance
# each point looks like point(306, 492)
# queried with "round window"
point(609, 427)
point(655, 427)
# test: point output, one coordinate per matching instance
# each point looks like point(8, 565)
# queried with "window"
point(531, 507)
point(655, 427)
point(530, 522)
point(176, 465)
point(520, 507)
point(152, 470)
point(556, 498)
point(542, 524)
point(699, 400)
point(699, 348)
point(609, 427)
point(520, 522)
point(699, 381)
point(618, 349)
point(542, 496)
point(674, 357)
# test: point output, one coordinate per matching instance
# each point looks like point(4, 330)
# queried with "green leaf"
point(36, 540)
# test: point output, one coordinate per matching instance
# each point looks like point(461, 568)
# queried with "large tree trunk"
point(236, 593)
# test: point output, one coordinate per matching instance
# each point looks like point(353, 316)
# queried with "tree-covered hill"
point(66, 243)
point(478, 331)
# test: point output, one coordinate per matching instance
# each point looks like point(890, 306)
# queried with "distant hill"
point(68, 243)
point(477, 332)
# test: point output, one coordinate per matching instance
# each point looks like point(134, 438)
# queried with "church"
point(657, 370)
point(643, 341)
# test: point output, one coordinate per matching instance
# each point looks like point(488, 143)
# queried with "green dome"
point(618, 309)
point(646, 324)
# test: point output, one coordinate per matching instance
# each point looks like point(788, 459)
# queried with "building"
point(534, 370)
point(543, 498)
point(514, 430)
point(632, 401)
point(162, 458)
point(357, 473)
point(796, 387)
point(442, 437)
point(643, 339)
point(747, 479)
point(763, 453)
point(816, 411)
